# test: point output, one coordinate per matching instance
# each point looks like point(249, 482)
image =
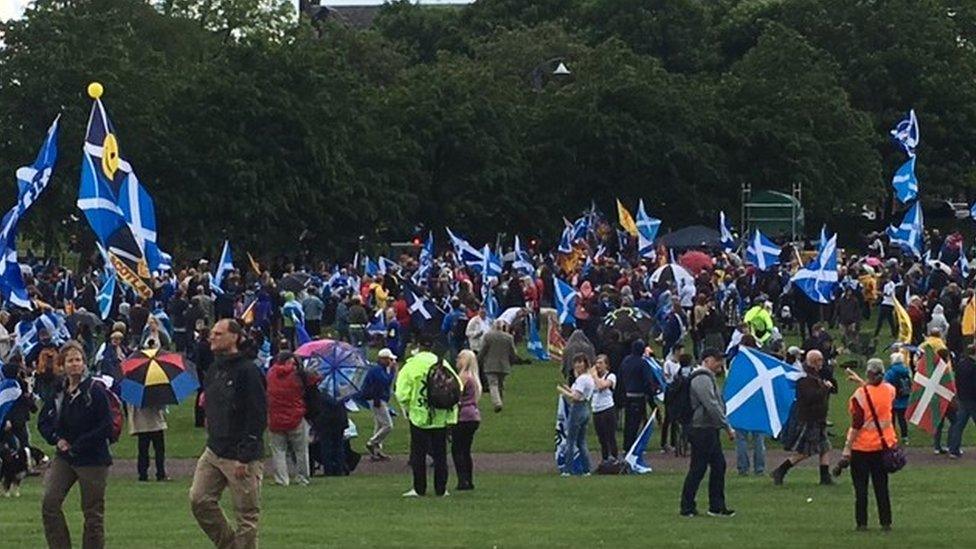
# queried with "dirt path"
point(543, 463)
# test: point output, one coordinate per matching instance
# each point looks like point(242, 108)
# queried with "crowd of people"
point(456, 327)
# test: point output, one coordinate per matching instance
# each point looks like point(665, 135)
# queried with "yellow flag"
point(904, 323)
point(969, 318)
point(626, 220)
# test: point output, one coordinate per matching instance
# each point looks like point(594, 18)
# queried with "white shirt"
point(671, 367)
point(889, 294)
point(603, 398)
point(508, 316)
point(585, 386)
point(475, 331)
point(687, 294)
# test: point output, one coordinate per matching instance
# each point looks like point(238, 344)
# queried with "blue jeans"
point(742, 451)
point(965, 412)
point(579, 416)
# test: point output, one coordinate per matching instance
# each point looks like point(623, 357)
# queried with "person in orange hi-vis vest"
point(871, 410)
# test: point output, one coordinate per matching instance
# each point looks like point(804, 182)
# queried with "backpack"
point(443, 389)
point(115, 409)
point(680, 388)
point(904, 387)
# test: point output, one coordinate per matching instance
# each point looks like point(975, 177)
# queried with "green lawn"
point(930, 510)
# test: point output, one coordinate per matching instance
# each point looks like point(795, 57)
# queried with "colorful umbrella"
point(341, 366)
point(155, 378)
point(696, 261)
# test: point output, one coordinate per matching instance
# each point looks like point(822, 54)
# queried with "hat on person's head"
point(793, 350)
point(386, 353)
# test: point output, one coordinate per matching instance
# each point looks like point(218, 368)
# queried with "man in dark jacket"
point(637, 380)
point(965, 370)
point(236, 410)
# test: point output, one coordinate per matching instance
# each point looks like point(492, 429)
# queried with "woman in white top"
point(578, 397)
point(604, 412)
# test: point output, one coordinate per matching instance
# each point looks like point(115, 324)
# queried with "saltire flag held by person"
point(422, 310)
point(823, 238)
point(489, 302)
point(103, 172)
point(465, 252)
point(10, 392)
point(906, 133)
point(370, 267)
point(388, 266)
point(491, 265)
point(635, 454)
point(31, 182)
point(534, 344)
point(427, 252)
point(565, 302)
point(377, 325)
point(647, 228)
point(909, 234)
point(522, 263)
point(555, 342)
point(905, 182)
point(728, 241)
point(758, 392)
point(566, 241)
point(581, 227)
point(963, 263)
point(933, 388)
point(626, 220)
point(818, 279)
point(562, 430)
point(224, 266)
point(105, 295)
point(657, 372)
point(762, 252)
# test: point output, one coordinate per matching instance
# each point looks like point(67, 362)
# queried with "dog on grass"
point(15, 465)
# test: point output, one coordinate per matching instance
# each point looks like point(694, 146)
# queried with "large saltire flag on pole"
point(759, 392)
point(905, 182)
point(103, 173)
point(626, 220)
point(933, 388)
point(31, 182)
point(728, 241)
point(818, 279)
point(762, 252)
point(906, 133)
point(909, 234)
point(647, 228)
point(565, 302)
point(534, 344)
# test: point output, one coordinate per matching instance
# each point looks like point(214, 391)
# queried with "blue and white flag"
point(762, 252)
point(562, 443)
point(421, 309)
point(972, 211)
point(9, 394)
point(818, 279)
point(465, 252)
point(388, 266)
point(522, 263)
point(759, 392)
point(427, 251)
point(489, 302)
point(105, 295)
point(491, 264)
point(370, 268)
point(139, 211)
point(224, 266)
point(728, 241)
point(906, 133)
point(377, 325)
point(293, 309)
point(909, 234)
point(905, 182)
point(566, 241)
point(565, 302)
point(31, 182)
point(534, 344)
point(647, 228)
point(635, 454)
point(657, 372)
point(823, 237)
point(963, 263)
point(25, 333)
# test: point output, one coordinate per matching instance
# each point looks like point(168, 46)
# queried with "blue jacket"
point(895, 374)
point(635, 372)
point(84, 419)
point(376, 386)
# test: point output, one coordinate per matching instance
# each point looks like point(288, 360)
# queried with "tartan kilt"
point(808, 438)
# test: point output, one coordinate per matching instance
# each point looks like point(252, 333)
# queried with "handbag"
point(893, 458)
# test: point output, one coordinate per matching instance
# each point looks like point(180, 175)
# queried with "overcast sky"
point(14, 8)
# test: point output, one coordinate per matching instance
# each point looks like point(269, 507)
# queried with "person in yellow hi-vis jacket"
point(428, 390)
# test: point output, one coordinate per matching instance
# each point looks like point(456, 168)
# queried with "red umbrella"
point(696, 261)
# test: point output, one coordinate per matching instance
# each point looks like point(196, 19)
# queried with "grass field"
point(931, 507)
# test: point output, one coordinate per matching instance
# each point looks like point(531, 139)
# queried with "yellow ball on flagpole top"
point(95, 90)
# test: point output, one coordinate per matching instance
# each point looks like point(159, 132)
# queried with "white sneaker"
point(446, 493)
point(411, 494)
point(564, 474)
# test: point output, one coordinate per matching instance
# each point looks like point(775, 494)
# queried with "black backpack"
point(443, 389)
point(680, 389)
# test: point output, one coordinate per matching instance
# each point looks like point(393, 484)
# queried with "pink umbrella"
point(696, 261)
point(873, 261)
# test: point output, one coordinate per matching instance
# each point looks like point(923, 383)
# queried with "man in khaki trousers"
point(236, 411)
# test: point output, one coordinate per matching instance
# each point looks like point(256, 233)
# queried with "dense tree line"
point(245, 123)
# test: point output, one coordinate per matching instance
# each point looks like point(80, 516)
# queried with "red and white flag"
point(933, 388)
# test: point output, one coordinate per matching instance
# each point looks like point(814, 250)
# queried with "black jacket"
point(965, 370)
point(635, 375)
point(84, 419)
point(237, 410)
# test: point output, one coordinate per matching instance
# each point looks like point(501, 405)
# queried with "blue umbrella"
point(340, 366)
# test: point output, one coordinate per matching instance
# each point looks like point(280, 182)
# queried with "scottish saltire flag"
point(635, 454)
point(562, 431)
point(647, 228)
point(762, 252)
point(466, 253)
point(377, 325)
point(909, 234)
point(388, 266)
point(566, 241)
point(905, 182)
point(522, 263)
point(9, 393)
point(489, 302)
point(427, 251)
point(370, 268)
point(139, 211)
point(758, 392)
point(55, 325)
point(31, 182)
point(906, 133)
point(963, 263)
point(565, 302)
point(103, 174)
point(818, 279)
point(658, 373)
point(224, 266)
point(823, 237)
point(534, 344)
point(25, 333)
point(421, 309)
point(728, 241)
point(105, 295)
point(491, 264)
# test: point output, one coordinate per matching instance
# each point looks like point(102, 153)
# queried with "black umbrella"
point(294, 282)
point(631, 323)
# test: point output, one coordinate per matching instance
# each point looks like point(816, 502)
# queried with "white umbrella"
point(672, 272)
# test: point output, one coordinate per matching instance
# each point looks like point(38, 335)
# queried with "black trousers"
point(433, 442)
point(158, 441)
point(605, 423)
point(902, 422)
point(462, 436)
point(635, 413)
point(864, 466)
point(706, 453)
point(886, 313)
